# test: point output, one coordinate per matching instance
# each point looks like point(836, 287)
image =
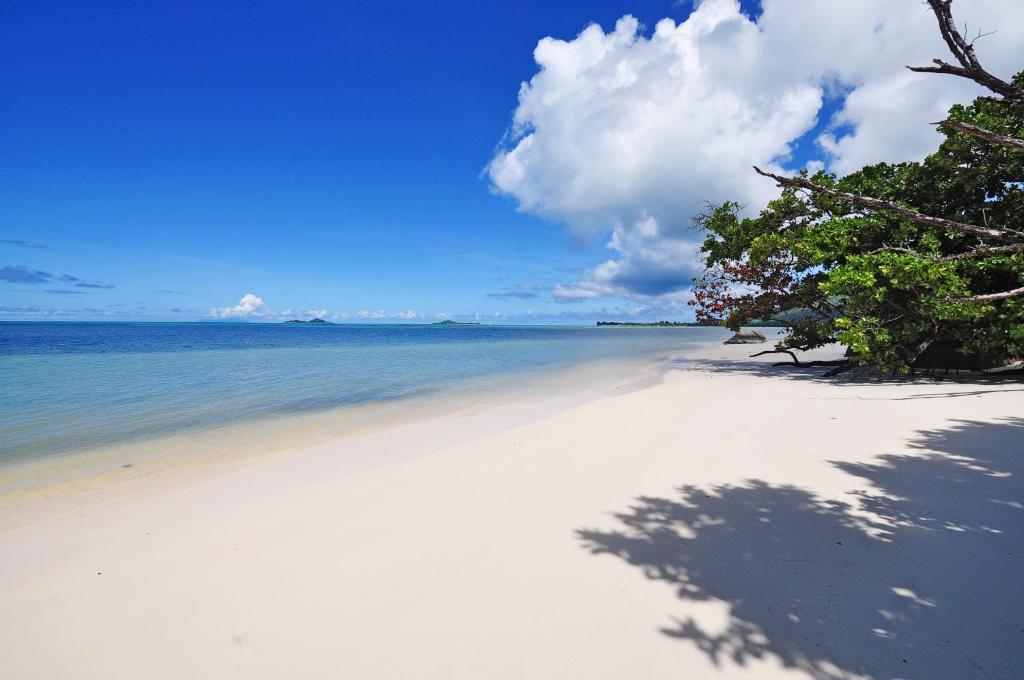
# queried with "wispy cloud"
point(64, 291)
point(522, 291)
point(82, 283)
point(17, 273)
point(91, 284)
point(381, 314)
point(21, 274)
point(18, 243)
point(513, 295)
point(29, 311)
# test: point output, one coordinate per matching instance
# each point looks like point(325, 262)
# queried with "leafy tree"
point(907, 264)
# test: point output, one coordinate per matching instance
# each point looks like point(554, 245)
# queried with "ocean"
point(66, 387)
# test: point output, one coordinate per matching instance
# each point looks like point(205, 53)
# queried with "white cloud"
point(628, 134)
point(252, 306)
point(381, 314)
point(249, 306)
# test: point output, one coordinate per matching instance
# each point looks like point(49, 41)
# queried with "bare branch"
point(970, 67)
point(991, 297)
point(797, 362)
point(982, 133)
point(981, 35)
point(961, 49)
point(878, 204)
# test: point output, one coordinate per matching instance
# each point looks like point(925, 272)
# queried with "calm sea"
point(70, 386)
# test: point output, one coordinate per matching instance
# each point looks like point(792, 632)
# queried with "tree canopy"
point(917, 264)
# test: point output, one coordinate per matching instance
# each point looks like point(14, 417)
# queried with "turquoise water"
point(71, 386)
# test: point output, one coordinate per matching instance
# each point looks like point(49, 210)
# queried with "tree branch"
point(970, 67)
point(878, 204)
point(797, 362)
point(969, 255)
point(982, 133)
point(991, 297)
point(984, 252)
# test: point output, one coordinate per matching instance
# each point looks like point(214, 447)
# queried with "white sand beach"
point(729, 521)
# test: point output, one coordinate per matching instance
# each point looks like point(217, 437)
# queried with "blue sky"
point(163, 159)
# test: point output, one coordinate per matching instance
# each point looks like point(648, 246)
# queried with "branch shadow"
point(817, 374)
point(920, 576)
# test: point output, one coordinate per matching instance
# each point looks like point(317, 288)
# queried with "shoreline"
point(721, 521)
point(120, 465)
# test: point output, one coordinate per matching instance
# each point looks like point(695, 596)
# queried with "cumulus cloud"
point(249, 306)
point(628, 132)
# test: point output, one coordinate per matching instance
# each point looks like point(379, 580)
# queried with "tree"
point(907, 264)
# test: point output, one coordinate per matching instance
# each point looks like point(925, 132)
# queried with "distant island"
point(686, 324)
point(317, 321)
point(449, 322)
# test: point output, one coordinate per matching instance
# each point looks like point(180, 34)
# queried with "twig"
point(970, 67)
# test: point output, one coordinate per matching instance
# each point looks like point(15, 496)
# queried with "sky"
point(526, 162)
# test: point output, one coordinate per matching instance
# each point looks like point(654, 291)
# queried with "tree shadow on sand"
point(921, 576)
point(1011, 382)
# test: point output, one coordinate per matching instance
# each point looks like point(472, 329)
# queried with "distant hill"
point(315, 321)
point(449, 322)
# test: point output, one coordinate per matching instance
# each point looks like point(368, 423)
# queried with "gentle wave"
point(71, 386)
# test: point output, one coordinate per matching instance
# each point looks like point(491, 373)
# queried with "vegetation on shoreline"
point(688, 324)
point(910, 265)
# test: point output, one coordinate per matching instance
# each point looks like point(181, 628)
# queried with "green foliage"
point(877, 282)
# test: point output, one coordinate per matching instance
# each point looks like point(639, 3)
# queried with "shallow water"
point(71, 386)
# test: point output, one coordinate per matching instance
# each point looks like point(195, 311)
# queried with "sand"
point(729, 520)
